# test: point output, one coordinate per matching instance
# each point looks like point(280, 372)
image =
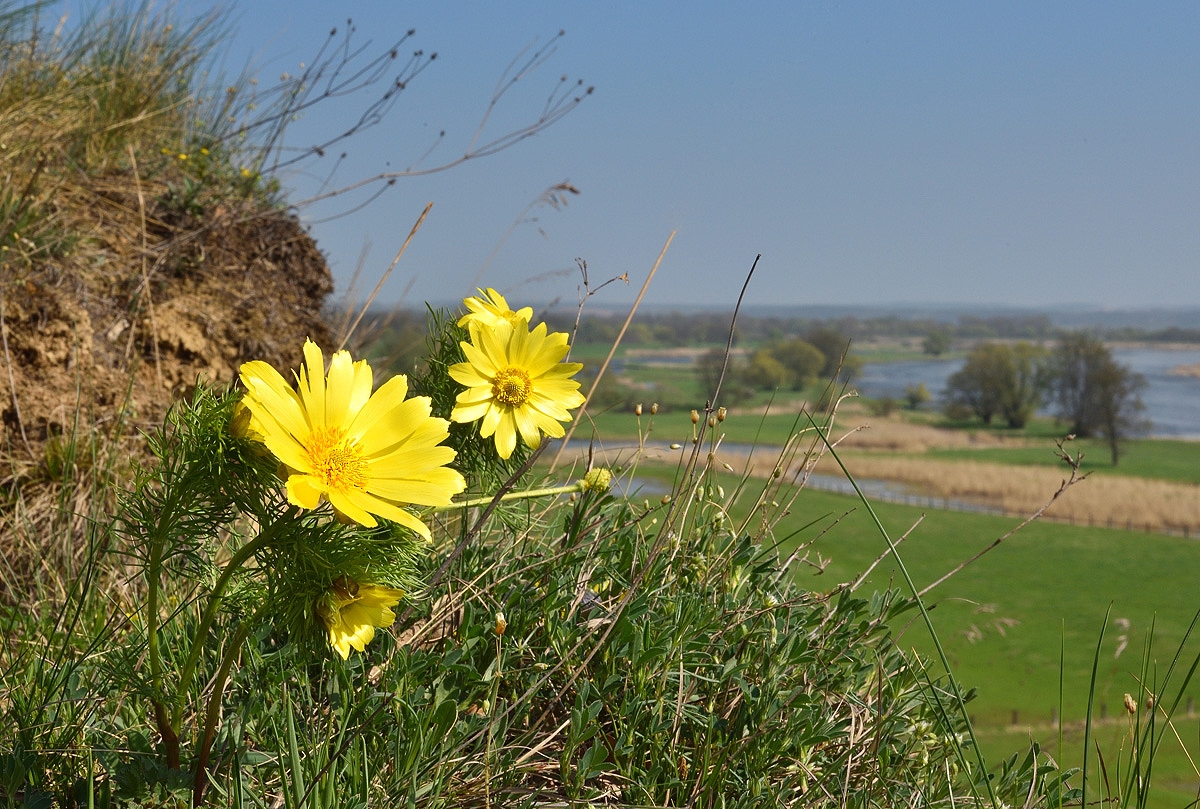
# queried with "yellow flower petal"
point(270, 398)
point(359, 451)
point(515, 383)
point(312, 384)
point(301, 491)
point(351, 612)
point(491, 309)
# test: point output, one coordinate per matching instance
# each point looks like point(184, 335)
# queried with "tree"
point(937, 342)
point(916, 395)
point(764, 371)
point(978, 387)
point(1097, 395)
point(836, 348)
point(802, 359)
point(1025, 384)
point(709, 366)
point(998, 379)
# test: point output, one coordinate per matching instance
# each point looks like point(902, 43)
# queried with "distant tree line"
point(698, 328)
point(711, 328)
point(793, 363)
point(1093, 393)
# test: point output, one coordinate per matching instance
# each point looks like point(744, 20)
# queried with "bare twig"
point(554, 196)
point(1075, 477)
point(612, 350)
point(863, 576)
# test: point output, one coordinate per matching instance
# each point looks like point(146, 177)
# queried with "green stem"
point(210, 612)
point(166, 728)
point(200, 783)
point(549, 491)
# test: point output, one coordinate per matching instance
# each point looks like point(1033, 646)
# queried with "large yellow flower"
point(351, 611)
point(491, 309)
point(366, 453)
point(516, 383)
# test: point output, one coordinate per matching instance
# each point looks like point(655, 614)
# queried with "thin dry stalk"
point(1067, 483)
point(383, 278)
point(611, 351)
point(145, 289)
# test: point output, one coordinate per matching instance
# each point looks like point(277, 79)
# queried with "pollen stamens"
point(512, 387)
point(336, 461)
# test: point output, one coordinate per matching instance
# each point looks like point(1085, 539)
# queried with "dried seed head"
point(721, 413)
point(501, 623)
point(654, 408)
point(695, 417)
point(712, 422)
point(637, 409)
point(1130, 705)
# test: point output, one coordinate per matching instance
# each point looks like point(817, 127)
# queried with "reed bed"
point(1108, 500)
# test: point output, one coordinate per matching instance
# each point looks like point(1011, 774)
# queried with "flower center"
point(337, 461)
point(511, 386)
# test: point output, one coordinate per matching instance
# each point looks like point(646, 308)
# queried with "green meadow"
point(1023, 623)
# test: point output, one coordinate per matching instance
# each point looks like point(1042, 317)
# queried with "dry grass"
point(1107, 500)
point(1100, 499)
point(882, 434)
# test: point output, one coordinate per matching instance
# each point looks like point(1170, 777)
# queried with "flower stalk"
point(596, 480)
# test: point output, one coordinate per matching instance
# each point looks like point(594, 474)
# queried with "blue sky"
point(1025, 154)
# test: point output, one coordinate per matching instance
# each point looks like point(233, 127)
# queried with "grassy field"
point(1159, 458)
point(1004, 620)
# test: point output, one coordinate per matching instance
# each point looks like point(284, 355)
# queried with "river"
point(1172, 401)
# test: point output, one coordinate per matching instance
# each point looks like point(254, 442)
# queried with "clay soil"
point(111, 335)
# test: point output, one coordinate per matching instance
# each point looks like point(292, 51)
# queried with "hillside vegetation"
point(225, 584)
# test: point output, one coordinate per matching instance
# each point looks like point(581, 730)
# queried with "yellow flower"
point(515, 383)
point(366, 453)
point(491, 309)
point(351, 611)
point(245, 425)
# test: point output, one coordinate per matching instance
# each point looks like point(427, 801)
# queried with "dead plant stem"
point(383, 278)
point(611, 351)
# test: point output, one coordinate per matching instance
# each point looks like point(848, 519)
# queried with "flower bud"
point(695, 417)
point(637, 409)
point(712, 422)
point(721, 413)
point(501, 623)
point(1130, 704)
point(598, 479)
point(654, 408)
